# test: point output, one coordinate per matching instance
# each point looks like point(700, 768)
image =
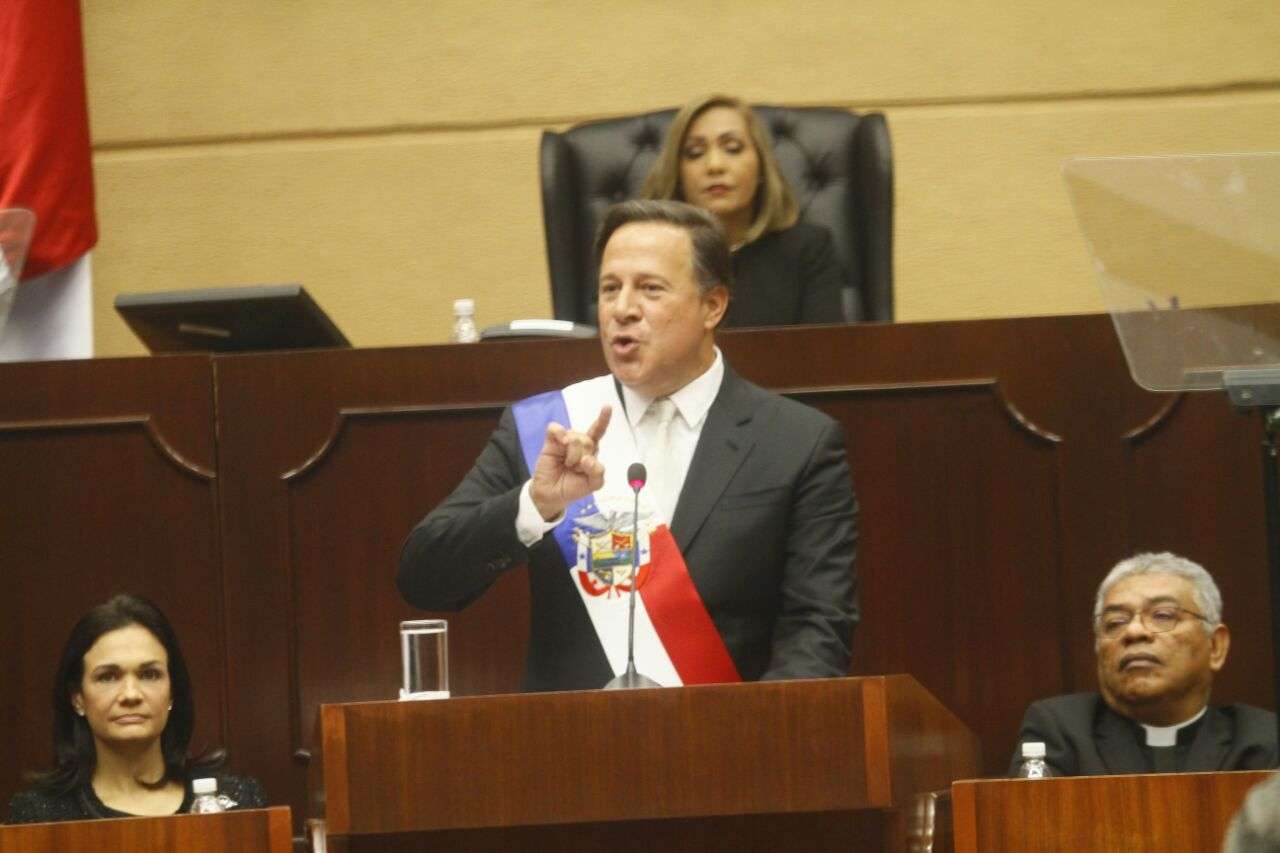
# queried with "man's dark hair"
point(75, 754)
point(712, 263)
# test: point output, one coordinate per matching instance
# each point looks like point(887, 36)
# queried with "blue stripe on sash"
point(532, 415)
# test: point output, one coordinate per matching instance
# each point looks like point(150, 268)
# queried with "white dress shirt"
point(692, 402)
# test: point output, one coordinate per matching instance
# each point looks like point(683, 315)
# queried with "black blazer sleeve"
point(456, 553)
point(1040, 723)
point(787, 278)
point(1253, 744)
point(813, 634)
point(821, 280)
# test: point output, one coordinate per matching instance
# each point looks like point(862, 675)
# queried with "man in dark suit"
point(747, 521)
point(1159, 639)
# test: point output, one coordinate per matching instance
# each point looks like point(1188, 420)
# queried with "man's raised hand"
point(567, 468)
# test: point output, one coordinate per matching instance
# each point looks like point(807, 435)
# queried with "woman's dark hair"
point(75, 754)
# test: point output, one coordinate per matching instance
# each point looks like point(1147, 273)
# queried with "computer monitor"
point(229, 319)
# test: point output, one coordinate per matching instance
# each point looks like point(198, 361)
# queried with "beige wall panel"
point(984, 224)
point(385, 233)
point(202, 69)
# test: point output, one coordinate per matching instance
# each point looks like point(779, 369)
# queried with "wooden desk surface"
point(248, 831)
point(1150, 813)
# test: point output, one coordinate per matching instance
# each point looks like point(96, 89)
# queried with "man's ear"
point(1219, 643)
point(714, 303)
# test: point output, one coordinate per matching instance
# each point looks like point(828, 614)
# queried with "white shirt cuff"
point(529, 524)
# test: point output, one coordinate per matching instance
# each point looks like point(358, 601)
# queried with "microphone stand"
point(630, 678)
point(1259, 389)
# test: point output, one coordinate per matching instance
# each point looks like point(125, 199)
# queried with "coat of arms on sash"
point(606, 548)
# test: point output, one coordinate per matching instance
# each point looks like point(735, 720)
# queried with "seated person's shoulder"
point(1253, 738)
point(1067, 705)
point(1255, 724)
point(1062, 724)
point(809, 232)
point(797, 416)
point(803, 237)
point(1251, 714)
point(35, 805)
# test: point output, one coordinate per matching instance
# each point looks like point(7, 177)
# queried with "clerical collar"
point(1168, 735)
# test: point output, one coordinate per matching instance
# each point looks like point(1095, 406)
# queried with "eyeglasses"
point(1156, 618)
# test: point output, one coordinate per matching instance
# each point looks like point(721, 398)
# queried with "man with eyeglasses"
point(1159, 639)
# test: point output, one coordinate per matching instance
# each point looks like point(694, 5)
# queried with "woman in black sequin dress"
point(123, 716)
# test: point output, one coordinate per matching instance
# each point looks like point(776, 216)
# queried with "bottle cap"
point(204, 786)
point(464, 306)
point(1033, 749)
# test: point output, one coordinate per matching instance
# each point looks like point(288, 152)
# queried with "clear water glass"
point(424, 659)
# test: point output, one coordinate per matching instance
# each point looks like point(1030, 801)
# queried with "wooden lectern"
point(249, 831)
point(799, 765)
point(1149, 813)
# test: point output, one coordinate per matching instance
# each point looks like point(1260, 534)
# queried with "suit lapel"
point(1212, 742)
point(724, 444)
point(1118, 745)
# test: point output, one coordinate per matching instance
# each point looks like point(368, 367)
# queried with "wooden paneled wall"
point(1002, 466)
point(108, 483)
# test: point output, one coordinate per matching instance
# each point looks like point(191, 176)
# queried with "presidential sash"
point(675, 641)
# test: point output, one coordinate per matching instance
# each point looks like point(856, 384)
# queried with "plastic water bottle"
point(206, 801)
point(1033, 765)
point(464, 322)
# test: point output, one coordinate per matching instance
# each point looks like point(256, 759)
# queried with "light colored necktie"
point(661, 458)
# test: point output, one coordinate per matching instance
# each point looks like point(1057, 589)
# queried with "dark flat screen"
point(229, 319)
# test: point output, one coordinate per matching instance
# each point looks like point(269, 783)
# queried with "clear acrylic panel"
point(1187, 253)
point(16, 227)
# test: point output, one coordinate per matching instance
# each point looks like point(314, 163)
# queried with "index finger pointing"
point(596, 430)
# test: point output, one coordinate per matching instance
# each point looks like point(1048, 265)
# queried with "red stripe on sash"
point(680, 618)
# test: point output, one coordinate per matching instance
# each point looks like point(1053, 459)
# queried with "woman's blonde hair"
point(775, 205)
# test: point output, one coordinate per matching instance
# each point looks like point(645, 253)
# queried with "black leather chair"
point(840, 165)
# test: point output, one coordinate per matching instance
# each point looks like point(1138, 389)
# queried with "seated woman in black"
point(123, 715)
point(717, 156)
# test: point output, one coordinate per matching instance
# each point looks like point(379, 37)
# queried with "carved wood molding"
point(1162, 417)
point(343, 415)
point(1011, 411)
point(292, 479)
point(145, 422)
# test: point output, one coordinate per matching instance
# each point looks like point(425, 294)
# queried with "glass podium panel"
point(16, 227)
point(1187, 253)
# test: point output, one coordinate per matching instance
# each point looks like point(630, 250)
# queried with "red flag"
point(45, 157)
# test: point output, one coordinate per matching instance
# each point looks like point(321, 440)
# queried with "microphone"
point(630, 679)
